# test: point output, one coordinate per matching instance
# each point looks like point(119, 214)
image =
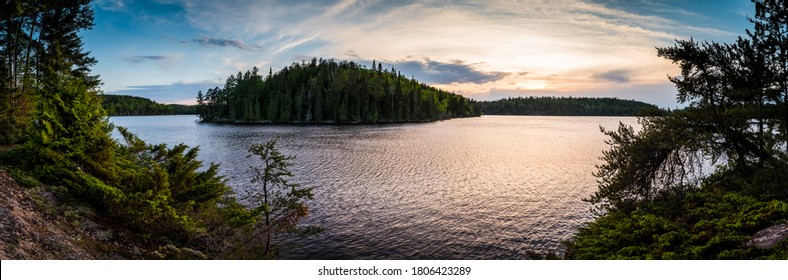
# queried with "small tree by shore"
point(278, 202)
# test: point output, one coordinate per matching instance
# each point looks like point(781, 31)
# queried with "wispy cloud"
point(166, 62)
point(292, 43)
point(223, 42)
point(471, 47)
point(544, 38)
point(111, 5)
point(711, 31)
point(144, 58)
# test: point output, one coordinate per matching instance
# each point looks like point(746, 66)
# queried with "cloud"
point(616, 76)
point(112, 6)
point(177, 92)
point(164, 61)
point(719, 22)
point(219, 42)
point(144, 58)
point(292, 43)
point(505, 35)
point(454, 71)
point(716, 32)
point(352, 54)
point(556, 42)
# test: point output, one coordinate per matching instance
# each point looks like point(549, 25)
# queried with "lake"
point(491, 187)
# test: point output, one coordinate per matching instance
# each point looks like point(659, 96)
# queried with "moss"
point(22, 178)
point(713, 226)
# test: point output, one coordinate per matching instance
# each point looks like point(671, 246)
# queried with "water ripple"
point(479, 188)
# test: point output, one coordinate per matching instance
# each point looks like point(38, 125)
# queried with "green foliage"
point(664, 155)
point(165, 186)
point(70, 144)
point(22, 178)
point(703, 226)
point(151, 189)
point(162, 194)
point(654, 201)
point(563, 106)
point(39, 47)
point(324, 91)
point(124, 105)
point(733, 119)
point(180, 109)
point(279, 202)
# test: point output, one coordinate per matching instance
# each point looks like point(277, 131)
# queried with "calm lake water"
point(491, 187)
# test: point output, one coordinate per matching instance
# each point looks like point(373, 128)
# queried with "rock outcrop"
point(27, 232)
point(769, 237)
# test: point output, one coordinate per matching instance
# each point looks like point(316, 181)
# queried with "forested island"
point(564, 106)
point(125, 105)
point(326, 91)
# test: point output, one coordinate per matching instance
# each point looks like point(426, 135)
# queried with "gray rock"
point(770, 236)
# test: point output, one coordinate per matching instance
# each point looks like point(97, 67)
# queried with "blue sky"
point(167, 50)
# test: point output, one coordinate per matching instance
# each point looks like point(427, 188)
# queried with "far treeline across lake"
point(125, 105)
point(565, 106)
point(325, 91)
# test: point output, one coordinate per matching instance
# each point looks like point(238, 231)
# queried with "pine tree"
point(40, 44)
point(279, 202)
point(736, 95)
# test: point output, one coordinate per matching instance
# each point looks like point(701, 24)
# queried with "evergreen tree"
point(730, 89)
point(327, 91)
point(279, 202)
point(68, 119)
point(162, 194)
point(656, 202)
point(40, 44)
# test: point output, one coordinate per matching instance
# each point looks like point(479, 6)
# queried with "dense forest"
point(325, 91)
point(124, 105)
point(564, 106)
point(657, 196)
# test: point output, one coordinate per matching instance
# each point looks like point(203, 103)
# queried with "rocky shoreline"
point(35, 224)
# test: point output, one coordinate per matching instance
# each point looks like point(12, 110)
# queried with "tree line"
point(564, 106)
point(326, 91)
point(125, 105)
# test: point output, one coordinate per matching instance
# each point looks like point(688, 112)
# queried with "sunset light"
point(478, 49)
point(377, 139)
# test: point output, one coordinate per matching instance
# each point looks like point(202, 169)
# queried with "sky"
point(167, 50)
